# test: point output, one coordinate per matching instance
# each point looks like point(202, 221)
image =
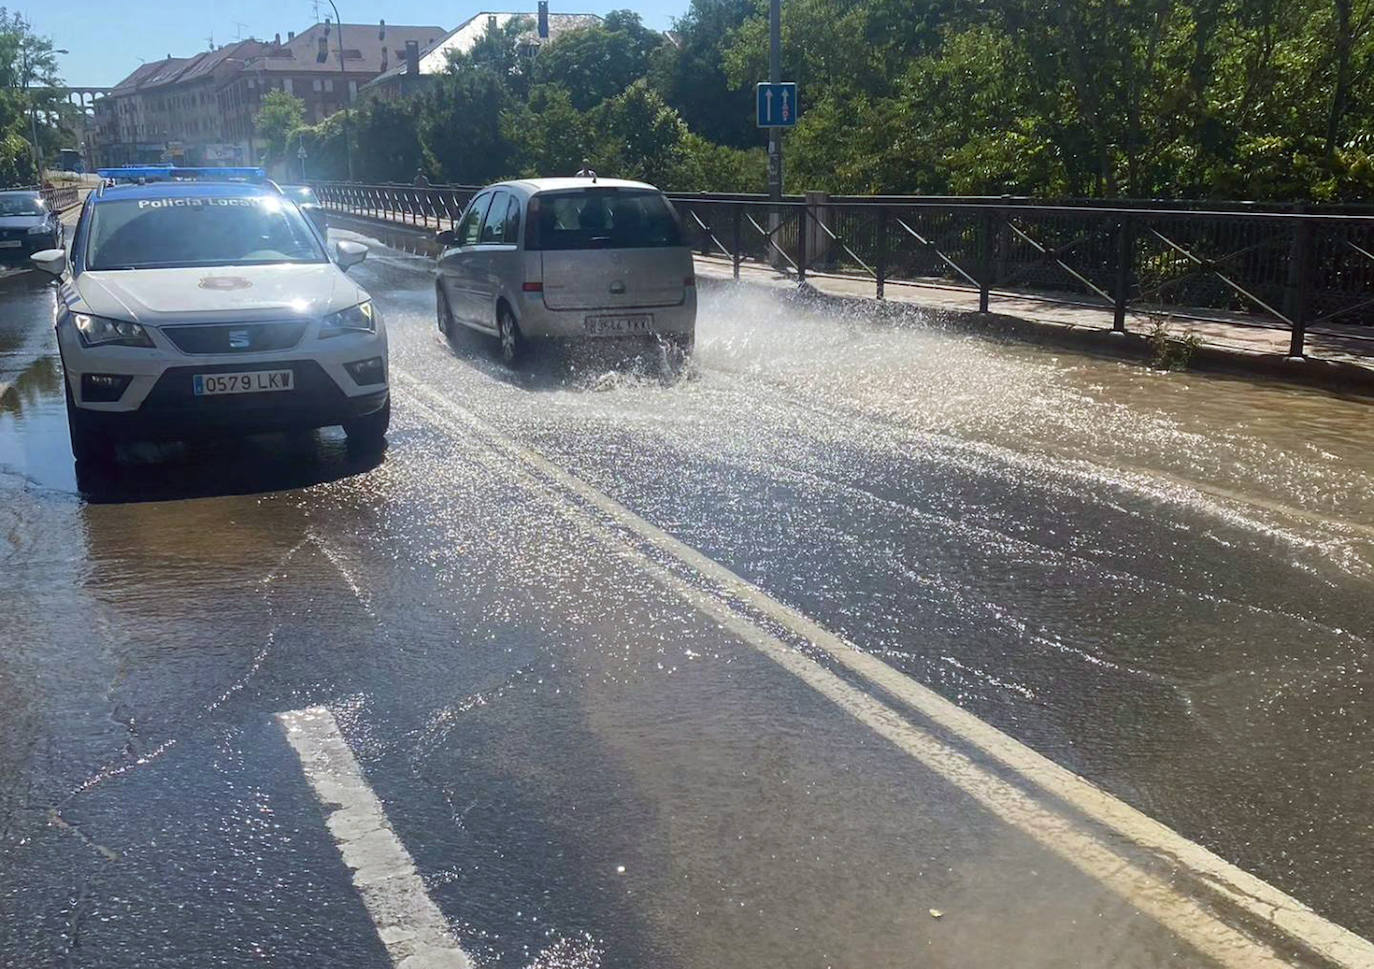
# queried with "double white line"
point(1069, 816)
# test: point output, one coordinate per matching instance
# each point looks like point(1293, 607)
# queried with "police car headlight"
point(97, 331)
point(360, 318)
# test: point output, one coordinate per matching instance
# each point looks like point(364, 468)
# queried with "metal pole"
point(734, 240)
point(348, 102)
point(985, 264)
point(1298, 297)
point(881, 268)
point(775, 77)
point(1125, 249)
point(33, 123)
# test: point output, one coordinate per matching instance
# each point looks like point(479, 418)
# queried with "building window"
point(286, 85)
point(315, 85)
point(352, 90)
point(329, 85)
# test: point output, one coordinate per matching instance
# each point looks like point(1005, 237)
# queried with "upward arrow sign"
point(786, 108)
point(768, 99)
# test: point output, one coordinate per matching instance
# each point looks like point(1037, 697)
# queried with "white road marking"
point(1203, 929)
point(410, 925)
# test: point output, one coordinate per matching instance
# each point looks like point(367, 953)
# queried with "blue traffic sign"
point(777, 105)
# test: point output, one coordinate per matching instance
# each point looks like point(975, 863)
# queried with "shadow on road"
point(231, 466)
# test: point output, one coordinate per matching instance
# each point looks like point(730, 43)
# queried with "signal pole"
point(775, 77)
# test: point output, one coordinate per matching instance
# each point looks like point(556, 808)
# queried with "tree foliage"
point(28, 83)
point(597, 63)
point(279, 115)
point(1259, 99)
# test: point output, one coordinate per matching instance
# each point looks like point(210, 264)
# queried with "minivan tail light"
point(689, 280)
point(533, 287)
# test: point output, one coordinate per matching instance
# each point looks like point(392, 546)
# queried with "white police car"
point(202, 305)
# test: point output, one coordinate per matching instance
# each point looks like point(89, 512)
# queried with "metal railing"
point(433, 206)
point(58, 197)
point(1288, 269)
point(61, 197)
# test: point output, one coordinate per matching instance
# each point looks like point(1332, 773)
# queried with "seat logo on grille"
point(239, 340)
point(225, 282)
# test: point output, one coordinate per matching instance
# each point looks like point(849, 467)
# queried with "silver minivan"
point(567, 258)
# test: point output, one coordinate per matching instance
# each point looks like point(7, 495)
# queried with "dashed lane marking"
point(410, 925)
point(1185, 916)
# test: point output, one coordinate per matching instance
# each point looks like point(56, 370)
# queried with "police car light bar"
point(176, 171)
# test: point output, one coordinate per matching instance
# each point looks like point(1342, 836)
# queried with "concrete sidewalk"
point(1339, 358)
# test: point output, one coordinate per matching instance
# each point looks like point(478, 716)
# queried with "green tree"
point(547, 134)
point(637, 135)
point(499, 52)
point(325, 148)
point(690, 73)
point(279, 115)
point(29, 99)
point(596, 63)
point(387, 140)
point(460, 126)
point(704, 166)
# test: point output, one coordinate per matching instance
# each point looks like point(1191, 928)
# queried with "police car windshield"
point(183, 231)
point(21, 205)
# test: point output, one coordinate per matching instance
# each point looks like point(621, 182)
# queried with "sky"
point(107, 39)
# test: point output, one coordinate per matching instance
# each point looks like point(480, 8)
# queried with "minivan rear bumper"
point(537, 321)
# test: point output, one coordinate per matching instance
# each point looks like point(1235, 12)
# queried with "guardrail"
point(1288, 269)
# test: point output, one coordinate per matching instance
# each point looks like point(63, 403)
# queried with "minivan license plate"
point(618, 325)
point(251, 382)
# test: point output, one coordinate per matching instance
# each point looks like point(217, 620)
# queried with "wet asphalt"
point(1160, 582)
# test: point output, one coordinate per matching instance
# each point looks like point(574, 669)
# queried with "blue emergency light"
point(177, 171)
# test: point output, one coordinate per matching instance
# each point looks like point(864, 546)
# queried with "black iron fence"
point(61, 197)
point(1288, 269)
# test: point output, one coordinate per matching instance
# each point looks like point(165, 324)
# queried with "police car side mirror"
point(348, 253)
point(446, 238)
point(51, 261)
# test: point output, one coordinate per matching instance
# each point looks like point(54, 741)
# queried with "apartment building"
point(202, 109)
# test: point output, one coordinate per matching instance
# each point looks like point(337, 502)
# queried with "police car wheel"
point(369, 431)
point(88, 445)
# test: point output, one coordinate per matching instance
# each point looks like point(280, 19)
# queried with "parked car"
point(304, 197)
point(27, 226)
point(209, 307)
point(567, 258)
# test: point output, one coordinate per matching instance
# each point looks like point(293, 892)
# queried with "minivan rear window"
point(601, 218)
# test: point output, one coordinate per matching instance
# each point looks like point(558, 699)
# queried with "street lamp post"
point(348, 102)
point(300, 153)
point(33, 112)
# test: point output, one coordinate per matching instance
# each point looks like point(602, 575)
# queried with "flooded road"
point(555, 624)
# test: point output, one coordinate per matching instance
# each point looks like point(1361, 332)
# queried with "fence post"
point(817, 241)
point(1125, 252)
point(734, 241)
point(1001, 266)
point(1297, 295)
point(985, 262)
point(802, 227)
point(880, 264)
